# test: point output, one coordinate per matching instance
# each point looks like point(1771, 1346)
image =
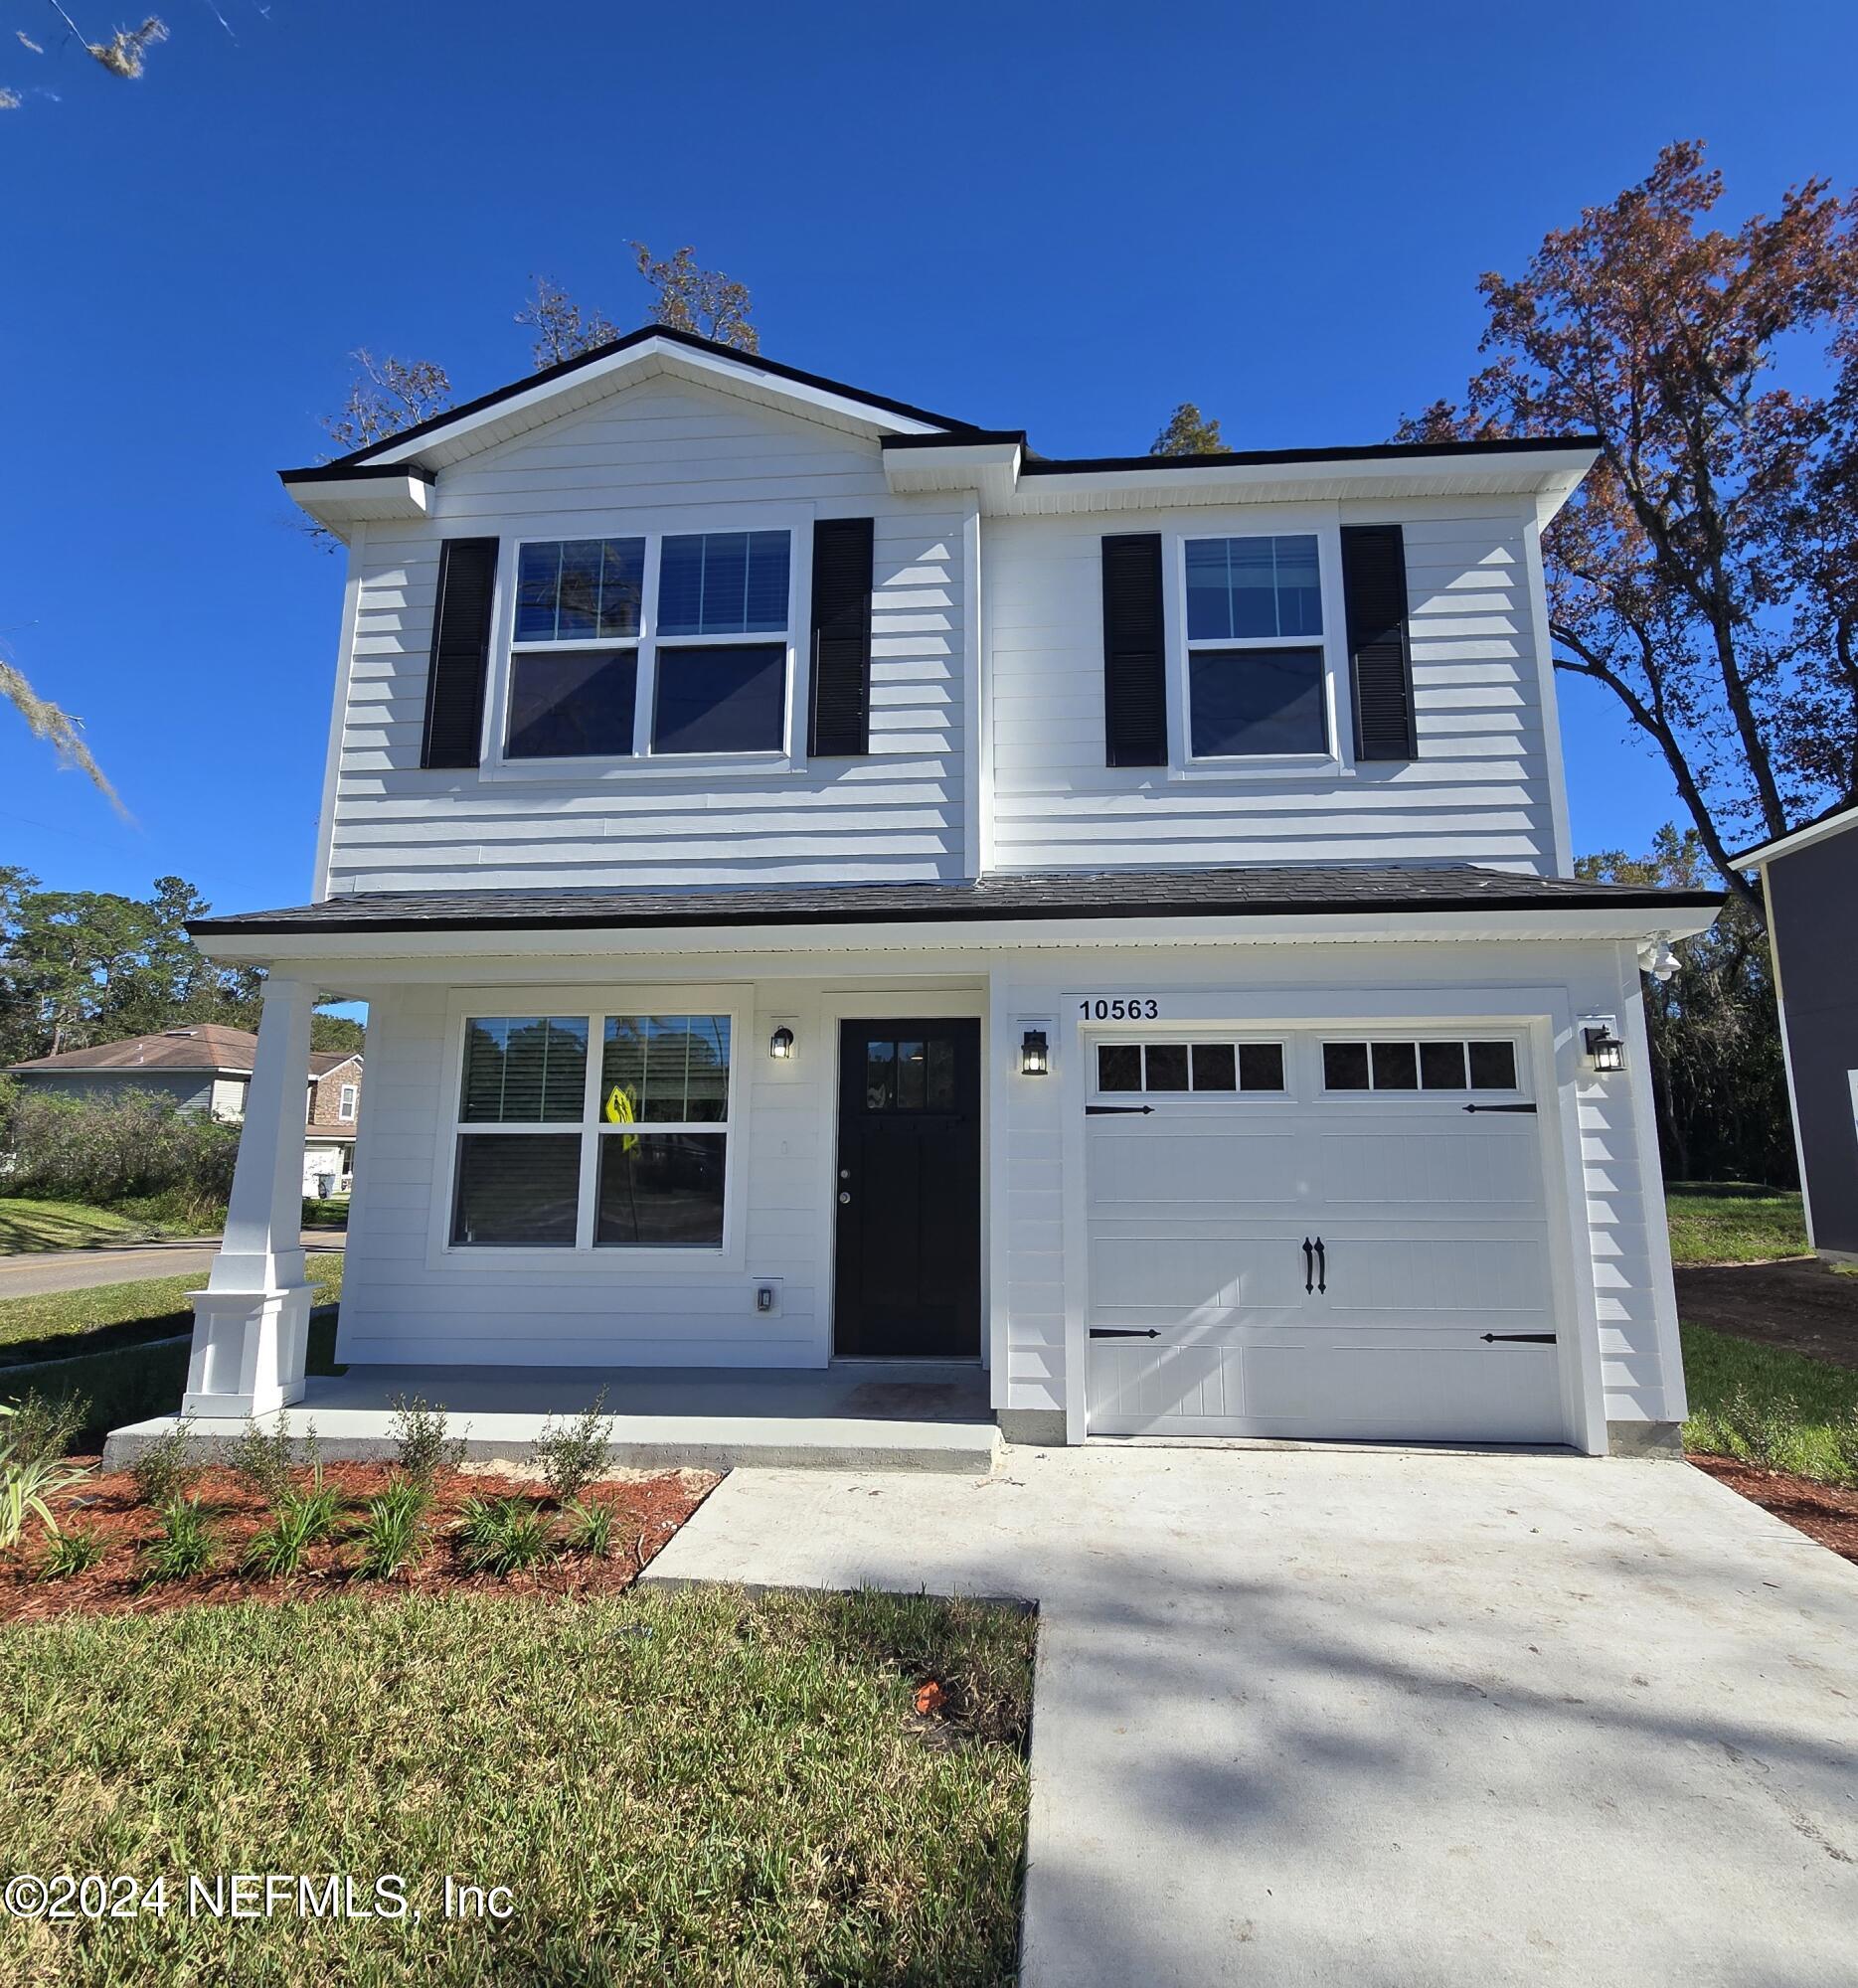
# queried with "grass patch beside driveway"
point(1803, 1399)
point(28, 1226)
point(1729, 1222)
point(692, 1786)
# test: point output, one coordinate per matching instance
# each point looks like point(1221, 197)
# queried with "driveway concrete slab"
point(1390, 1718)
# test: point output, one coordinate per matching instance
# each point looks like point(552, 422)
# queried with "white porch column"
point(251, 1322)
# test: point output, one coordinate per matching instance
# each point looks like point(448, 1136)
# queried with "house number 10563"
point(1128, 1007)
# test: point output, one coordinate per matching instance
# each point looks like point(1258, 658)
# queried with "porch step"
point(638, 1442)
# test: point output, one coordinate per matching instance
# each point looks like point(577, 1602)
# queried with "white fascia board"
point(1801, 838)
point(1549, 474)
point(654, 355)
point(1625, 925)
point(340, 502)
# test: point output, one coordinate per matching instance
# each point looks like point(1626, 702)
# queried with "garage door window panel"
point(1408, 1067)
point(1195, 1067)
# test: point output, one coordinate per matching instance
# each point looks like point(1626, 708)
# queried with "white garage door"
point(1319, 1234)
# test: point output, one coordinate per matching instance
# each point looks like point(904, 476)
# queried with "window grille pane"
point(572, 703)
point(912, 1077)
point(668, 1070)
point(577, 603)
point(1252, 577)
point(661, 1190)
point(879, 1075)
point(537, 575)
point(1260, 1067)
point(1216, 1067)
point(1345, 1066)
point(1165, 1065)
point(1299, 586)
point(1493, 1066)
point(1256, 701)
point(517, 1189)
point(1442, 1065)
point(1209, 595)
point(725, 700)
point(622, 586)
point(1396, 1067)
point(1253, 589)
point(941, 1075)
point(723, 583)
point(524, 1069)
point(1119, 1067)
point(575, 590)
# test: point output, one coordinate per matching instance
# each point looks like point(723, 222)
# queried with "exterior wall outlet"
point(767, 1298)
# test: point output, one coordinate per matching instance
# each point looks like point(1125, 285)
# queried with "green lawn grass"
point(689, 1787)
point(26, 1226)
point(72, 1322)
point(1729, 1221)
point(1716, 1364)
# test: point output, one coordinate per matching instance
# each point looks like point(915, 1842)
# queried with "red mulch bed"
point(1821, 1511)
point(648, 1511)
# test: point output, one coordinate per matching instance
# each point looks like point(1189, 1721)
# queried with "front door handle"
point(1322, 1267)
point(1309, 1264)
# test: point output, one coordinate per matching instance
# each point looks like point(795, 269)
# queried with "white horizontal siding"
point(661, 457)
point(1480, 789)
point(475, 1310)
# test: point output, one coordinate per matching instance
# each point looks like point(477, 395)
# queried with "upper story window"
point(347, 1100)
point(615, 649)
point(1254, 653)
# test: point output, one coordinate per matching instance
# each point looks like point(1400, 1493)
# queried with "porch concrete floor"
point(854, 1415)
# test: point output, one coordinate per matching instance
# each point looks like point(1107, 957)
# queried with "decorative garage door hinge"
point(1519, 1337)
point(1123, 1332)
point(1500, 1108)
point(1116, 1110)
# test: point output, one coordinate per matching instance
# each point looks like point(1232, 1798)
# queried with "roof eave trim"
point(1832, 824)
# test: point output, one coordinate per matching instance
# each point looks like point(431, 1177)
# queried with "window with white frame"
point(1190, 1065)
point(346, 1101)
point(1407, 1066)
point(1255, 654)
point(665, 644)
point(559, 1147)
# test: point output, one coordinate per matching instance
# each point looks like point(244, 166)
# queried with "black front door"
point(908, 1279)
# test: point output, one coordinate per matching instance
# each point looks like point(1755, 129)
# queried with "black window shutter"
point(1135, 686)
point(840, 715)
point(455, 680)
point(1374, 593)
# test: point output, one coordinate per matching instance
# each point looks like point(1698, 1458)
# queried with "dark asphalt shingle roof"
point(1221, 892)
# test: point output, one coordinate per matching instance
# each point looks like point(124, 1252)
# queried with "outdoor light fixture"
point(1605, 1050)
point(780, 1043)
point(1033, 1059)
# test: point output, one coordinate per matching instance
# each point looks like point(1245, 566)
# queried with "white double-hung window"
point(1255, 648)
point(592, 1131)
point(658, 646)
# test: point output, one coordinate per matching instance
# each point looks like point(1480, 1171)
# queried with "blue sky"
point(1063, 219)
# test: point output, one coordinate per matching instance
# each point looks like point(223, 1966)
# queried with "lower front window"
point(558, 1147)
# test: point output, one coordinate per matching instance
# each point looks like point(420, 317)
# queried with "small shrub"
point(302, 1519)
point(265, 1458)
point(165, 1471)
point(572, 1454)
point(421, 1443)
point(71, 1553)
point(589, 1530)
point(27, 1491)
point(184, 1550)
point(501, 1535)
point(38, 1426)
point(390, 1534)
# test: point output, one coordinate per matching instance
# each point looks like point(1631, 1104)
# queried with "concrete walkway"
point(34, 1272)
point(1387, 1719)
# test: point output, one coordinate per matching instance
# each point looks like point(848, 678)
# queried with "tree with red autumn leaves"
point(1707, 569)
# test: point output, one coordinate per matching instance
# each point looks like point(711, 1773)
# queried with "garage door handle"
point(1309, 1264)
point(1123, 1332)
point(1519, 1339)
point(1322, 1267)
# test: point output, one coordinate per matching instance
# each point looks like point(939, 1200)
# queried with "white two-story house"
point(831, 885)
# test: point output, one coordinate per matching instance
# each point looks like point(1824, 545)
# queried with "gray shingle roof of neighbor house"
point(204, 1045)
point(1125, 893)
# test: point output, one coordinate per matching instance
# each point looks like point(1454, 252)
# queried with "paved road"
point(1386, 1719)
point(38, 1271)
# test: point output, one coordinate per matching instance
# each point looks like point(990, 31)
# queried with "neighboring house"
point(1811, 880)
point(833, 885)
point(207, 1068)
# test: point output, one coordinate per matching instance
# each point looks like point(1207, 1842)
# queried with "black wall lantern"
point(780, 1043)
point(1605, 1050)
point(1034, 1061)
